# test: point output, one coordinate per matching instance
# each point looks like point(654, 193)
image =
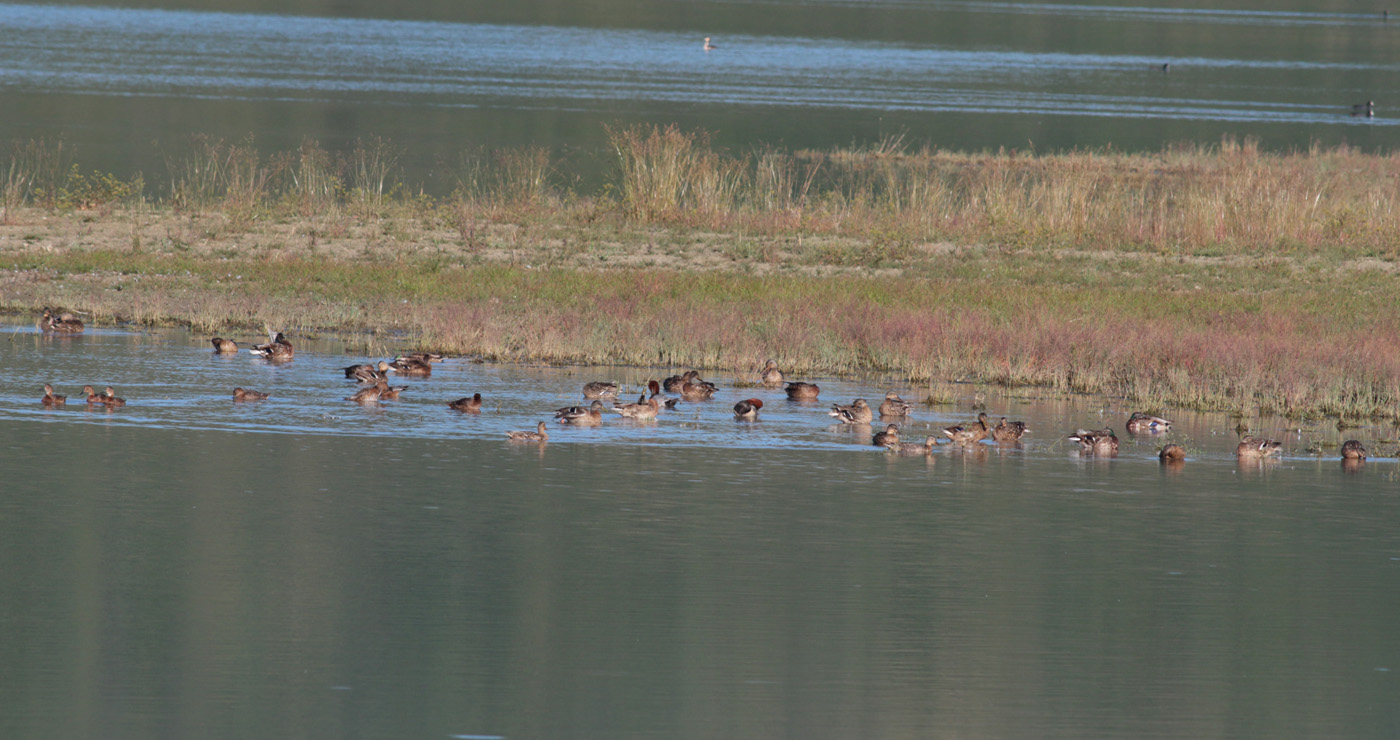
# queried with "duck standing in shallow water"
point(245, 394)
point(893, 405)
point(51, 399)
point(224, 346)
point(747, 410)
point(277, 349)
point(858, 412)
point(969, 434)
point(1009, 432)
point(1144, 423)
point(599, 389)
point(1097, 442)
point(770, 376)
point(539, 435)
point(470, 405)
point(644, 408)
point(581, 416)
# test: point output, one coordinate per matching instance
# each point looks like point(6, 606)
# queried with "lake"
point(306, 567)
point(128, 86)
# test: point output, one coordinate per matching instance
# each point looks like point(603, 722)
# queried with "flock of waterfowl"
point(689, 386)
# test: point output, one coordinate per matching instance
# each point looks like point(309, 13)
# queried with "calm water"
point(128, 85)
point(304, 567)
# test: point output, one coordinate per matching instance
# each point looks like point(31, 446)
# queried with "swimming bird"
point(798, 390)
point(277, 349)
point(51, 399)
point(1100, 442)
point(581, 416)
point(893, 405)
point(411, 365)
point(1144, 423)
point(971, 433)
point(644, 408)
point(696, 389)
point(245, 394)
point(1352, 450)
point(914, 448)
point(889, 437)
point(1009, 432)
point(1364, 110)
point(93, 396)
point(539, 435)
point(380, 391)
point(771, 376)
point(1256, 447)
point(224, 346)
point(1172, 454)
point(109, 397)
point(368, 373)
point(599, 389)
point(663, 403)
point(747, 410)
point(470, 405)
point(858, 412)
point(709, 46)
point(674, 383)
point(421, 356)
point(64, 323)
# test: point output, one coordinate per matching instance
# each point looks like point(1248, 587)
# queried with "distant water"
point(954, 74)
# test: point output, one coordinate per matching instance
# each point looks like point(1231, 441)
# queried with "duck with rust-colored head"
point(471, 405)
point(582, 416)
point(800, 391)
point(1144, 423)
point(64, 323)
point(857, 412)
point(893, 405)
point(109, 397)
point(539, 435)
point(52, 399)
point(1097, 442)
point(224, 346)
point(278, 349)
point(247, 394)
point(1256, 448)
point(1009, 432)
point(747, 409)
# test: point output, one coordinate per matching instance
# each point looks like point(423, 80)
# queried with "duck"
point(277, 349)
point(471, 405)
point(1145, 423)
point(64, 323)
point(1351, 450)
point(539, 435)
point(888, 438)
point(747, 409)
point(697, 390)
point(581, 416)
point(665, 403)
point(421, 356)
point(1101, 442)
point(858, 412)
point(368, 373)
point(411, 365)
point(709, 46)
point(969, 434)
point(380, 391)
point(245, 394)
point(893, 405)
point(599, 389)
point(674, 383)
point(224, 346)
point(914, 448)
point(51, 399)
point(1009, 432)
point(1256, 447)
point(93, 396)
point(1364, 110)
point(644, 408)
point(770, 376)
point(109, 397)
point(798, 390)
point(1172, 454)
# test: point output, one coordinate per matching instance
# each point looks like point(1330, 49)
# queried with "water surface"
point(186, 566)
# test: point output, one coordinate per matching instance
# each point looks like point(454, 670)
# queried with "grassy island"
point(1221, 277)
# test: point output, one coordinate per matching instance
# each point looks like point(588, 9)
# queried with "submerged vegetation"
point(1209, 277)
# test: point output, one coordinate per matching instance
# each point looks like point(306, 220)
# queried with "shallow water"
point(128, 85)
point(186, 566)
